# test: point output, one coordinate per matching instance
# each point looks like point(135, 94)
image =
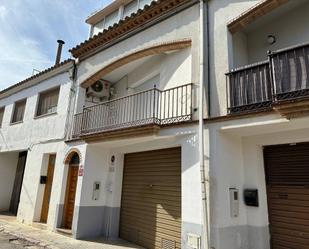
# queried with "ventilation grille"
point(168, 244)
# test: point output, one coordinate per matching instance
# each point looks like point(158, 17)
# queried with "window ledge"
point(16, 123)
point(45, 115)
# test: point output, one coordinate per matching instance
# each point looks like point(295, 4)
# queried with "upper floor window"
point(1, 115)
point(111, 19)
point(19, 110)
point(48, 102)
point(130, 8)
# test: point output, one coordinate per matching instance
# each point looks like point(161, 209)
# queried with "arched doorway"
point(73, 161)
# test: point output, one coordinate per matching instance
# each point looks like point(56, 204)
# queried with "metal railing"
point(249, 88)
point(143, 108)
point(290, 69)
point(285, 76)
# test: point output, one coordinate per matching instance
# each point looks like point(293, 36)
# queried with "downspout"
point(203, 61)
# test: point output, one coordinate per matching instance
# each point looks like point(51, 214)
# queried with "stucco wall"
point(8, 165)
point(220, 51)
point(290, 29)
point(184, 25)
point(236, 160)
point(33, 130)
point(169, 70)
point(32, 191)
point(102, 216)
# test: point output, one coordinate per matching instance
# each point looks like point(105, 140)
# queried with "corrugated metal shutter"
point(287, 176)
point(151, 199)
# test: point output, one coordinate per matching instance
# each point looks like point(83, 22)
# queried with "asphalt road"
point(10, 242)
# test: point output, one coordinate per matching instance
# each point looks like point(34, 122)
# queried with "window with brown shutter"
point(19, 110)
point(48, 102)
point(1, 115)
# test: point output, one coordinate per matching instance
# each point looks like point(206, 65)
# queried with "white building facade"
point(190, 128)
point(257, 132)
point(34, 125)
point(136, 129)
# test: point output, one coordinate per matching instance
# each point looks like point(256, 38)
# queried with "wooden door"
point(19, 176)
point(151, 199)
point(287, 178)
point(70, 196)
point(48, 188)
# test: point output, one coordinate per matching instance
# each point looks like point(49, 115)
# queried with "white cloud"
point(3, 12)
point(29, 30)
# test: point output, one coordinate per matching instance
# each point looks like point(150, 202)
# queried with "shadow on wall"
point(219, 45)
point(174, 62)
point(139, 40)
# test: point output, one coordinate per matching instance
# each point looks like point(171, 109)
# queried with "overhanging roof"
point(250, 15)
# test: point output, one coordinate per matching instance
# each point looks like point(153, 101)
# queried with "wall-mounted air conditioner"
point(100, 89)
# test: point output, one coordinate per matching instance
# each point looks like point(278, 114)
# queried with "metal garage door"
point(151, 199)
point(287, 177)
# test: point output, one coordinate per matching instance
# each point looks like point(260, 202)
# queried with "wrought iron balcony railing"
point(285, 76)
point(144, 108)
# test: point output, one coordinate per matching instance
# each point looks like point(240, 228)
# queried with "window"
point(19, 110)
point(130, 8)
point(48, 102)
point(1, 115)
point(111, 19)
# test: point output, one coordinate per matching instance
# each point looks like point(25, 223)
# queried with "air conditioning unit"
point(100, 89)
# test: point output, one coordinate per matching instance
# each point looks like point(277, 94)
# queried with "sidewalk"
point(50, 240)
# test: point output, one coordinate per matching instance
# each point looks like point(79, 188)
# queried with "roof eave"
point(36, 79)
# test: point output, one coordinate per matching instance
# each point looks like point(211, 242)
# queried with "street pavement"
point(14, 235)
point(11, 242)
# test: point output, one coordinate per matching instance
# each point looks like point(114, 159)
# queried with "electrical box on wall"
point(96, 190)
point(43, 179)
point(251, 197)
point(234, 202)
point(194, 241)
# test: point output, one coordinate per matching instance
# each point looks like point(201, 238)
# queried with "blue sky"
point(29, 30)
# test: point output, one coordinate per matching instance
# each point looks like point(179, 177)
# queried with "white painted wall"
point(8, 165)
point(98, 167)
point(289, 29)
point(32, 191)
point(172, 70)
point(221, 51)
point(33, 130)
point(41, 137)
point(235, 160)
point(177, 68)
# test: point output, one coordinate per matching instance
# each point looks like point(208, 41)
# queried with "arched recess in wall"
point(71, 156)
point(153, 50)
point(72, 161)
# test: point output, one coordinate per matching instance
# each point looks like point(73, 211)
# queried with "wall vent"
point(168, 244)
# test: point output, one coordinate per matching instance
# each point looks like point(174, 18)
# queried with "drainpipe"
point(203, 61)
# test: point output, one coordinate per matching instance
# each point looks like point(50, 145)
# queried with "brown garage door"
point(287, 177)
point(151, 199)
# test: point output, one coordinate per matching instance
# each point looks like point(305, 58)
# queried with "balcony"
point(149, 108)
point(277, 83)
